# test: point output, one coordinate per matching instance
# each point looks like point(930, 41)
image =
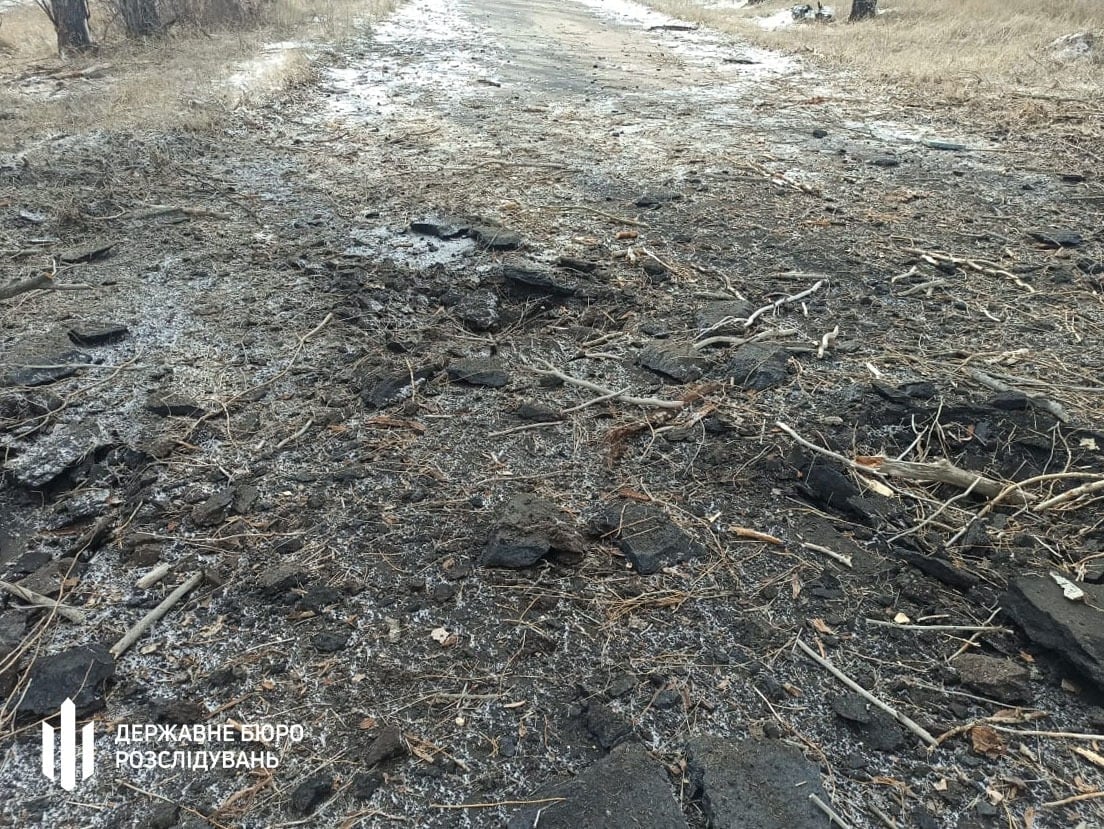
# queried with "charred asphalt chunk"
point(168, 403)
point(723, 318)
point(1071, 629)
point(1057, 237)
point(874, 727)
point(606, 726)
point(530, 281)
point(479, 371)
point(528, 529)
point(494, 237)
point(59, 452)
point(627, 789)
point(384, 387)
point(758, 367)
point(46, 368)
point(443, 227)
point(309, 794)
point(387, 744)
point(678, 363)
point(760, 783)
point(78, 673)
point(1000, 679)
point(92, 334)
point(647, 536)
point(478, 309)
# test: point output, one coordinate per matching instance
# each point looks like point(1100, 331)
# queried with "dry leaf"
point(444, 637)
point(940, 785)
point(902, 619)
point(367, 724)
point(820, 626)
point(986, 741)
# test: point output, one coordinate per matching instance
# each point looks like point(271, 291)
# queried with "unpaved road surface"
point(458, 376)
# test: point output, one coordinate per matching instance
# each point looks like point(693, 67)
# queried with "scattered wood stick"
point(832, 815)
point(786, 300)
point(826, 341)
point(298, 434)
point(1058, 735)
point(153, 576)
point(1071, 494)
point(1077, 798)
point(770, 334)
point(497, 803)
point(973, 640)
point(936, 259)
point(645, 402)
point(944, 472)
point(70, 613)
point(755, 535)
point(147, 621)
point(595, 400)
point(927, 287)
point(842, 558)
point(940, 628)
point(903, 719)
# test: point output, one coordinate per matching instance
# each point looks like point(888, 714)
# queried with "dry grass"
point(964, 49)
point(187, 79)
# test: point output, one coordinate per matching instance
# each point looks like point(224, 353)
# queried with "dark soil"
point(329, 375)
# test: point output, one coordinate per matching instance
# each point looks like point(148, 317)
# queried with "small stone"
point(309, 794)
point(656, 199)
point(78, 673)
point(820, 133)
point(388, 745)
point(92, 334)
point(874, 727)
point(885, 161)
point(245, 496)
point(282, 578)
point(479, 371)
point(1000, 679)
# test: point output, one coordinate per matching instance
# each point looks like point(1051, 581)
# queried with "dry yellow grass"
point(962, 49)
point(186, 79)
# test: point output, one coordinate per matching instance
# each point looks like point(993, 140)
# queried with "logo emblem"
point(68, 751)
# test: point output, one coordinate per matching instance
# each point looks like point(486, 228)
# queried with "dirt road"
point(458, 375)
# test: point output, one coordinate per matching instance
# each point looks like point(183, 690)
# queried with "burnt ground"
point(322, 363)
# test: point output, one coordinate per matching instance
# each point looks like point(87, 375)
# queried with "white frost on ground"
point(266, 68)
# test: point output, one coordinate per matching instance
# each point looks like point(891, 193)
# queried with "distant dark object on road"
point(805, 13)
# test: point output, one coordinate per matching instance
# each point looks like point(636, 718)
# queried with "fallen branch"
point(1071, 494)
point(70, 613)
point(832, 815)
point(755, 535)
point(940, 628)
point(645, 402)
point(147, 621)
point(842, 558)
point(936, 259)
point(903, 719)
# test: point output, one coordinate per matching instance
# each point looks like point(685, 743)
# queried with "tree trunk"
point(141, 17)
point(863, 9)
point(70, 19)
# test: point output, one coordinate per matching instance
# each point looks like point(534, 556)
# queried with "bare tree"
point(142, 18)
point(863, 9)
point(70, 19)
